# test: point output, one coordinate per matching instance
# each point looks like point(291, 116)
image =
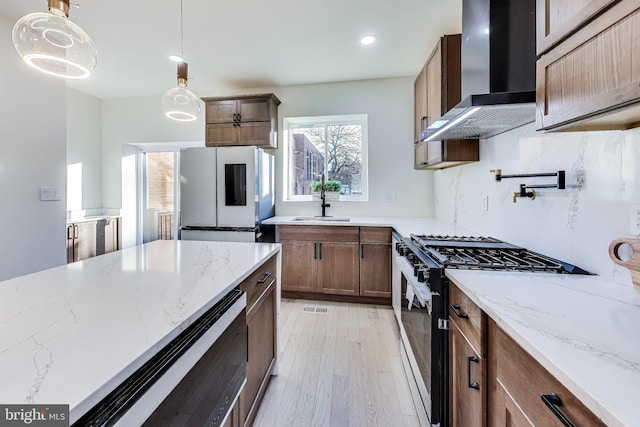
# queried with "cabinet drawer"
point(468, 317)
point(375, 235)
point(259, 280)
point(320, 233)
point(525, 381)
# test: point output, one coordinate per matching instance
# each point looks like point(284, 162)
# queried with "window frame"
point(290, 123)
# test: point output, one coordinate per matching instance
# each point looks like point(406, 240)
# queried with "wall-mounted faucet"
point(527, 190)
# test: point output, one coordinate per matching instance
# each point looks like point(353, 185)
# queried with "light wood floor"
point(339, 368)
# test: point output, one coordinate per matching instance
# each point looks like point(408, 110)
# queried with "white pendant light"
point(54, 45)
point(179, 103)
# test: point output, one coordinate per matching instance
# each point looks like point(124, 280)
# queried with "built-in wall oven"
point(421, 302)
point(192, 381)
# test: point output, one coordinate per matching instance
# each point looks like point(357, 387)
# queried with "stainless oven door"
point(415, 332)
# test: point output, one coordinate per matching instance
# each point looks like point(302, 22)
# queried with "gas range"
point(479, 253)
point(422, 300)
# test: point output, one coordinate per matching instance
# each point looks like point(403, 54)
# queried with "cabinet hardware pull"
point(239, 118)
point(69, 232)
point(319, 250)
point(474, 385)
point(75, 231)
point(264, 279)
point(247, 343)
point(456, 310)
point(361, 251)
point(552, 401)
point(315, 250)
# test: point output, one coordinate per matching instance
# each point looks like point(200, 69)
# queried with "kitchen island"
point(72, 334)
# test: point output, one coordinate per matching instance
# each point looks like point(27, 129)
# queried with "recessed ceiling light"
point(176, 58)
point(367, 40)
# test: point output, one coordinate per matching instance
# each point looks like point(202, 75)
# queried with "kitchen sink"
point(321, 218)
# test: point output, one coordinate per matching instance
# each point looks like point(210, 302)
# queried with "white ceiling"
point(250, 43)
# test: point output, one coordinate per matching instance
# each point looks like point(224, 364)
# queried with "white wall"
point(388, 103)
point(84, 144)
point(575, 225)
point(32, 155)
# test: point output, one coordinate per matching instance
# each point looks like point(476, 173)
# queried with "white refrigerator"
point(226, 193)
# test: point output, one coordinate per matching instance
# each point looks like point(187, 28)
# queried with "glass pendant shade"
point(179, 103)
point(55, 45)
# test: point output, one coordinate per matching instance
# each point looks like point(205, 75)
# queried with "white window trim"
point(287, 175)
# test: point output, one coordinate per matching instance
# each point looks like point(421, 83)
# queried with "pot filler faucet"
point(322, 198)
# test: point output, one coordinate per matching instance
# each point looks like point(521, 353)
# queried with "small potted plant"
point(331, 190)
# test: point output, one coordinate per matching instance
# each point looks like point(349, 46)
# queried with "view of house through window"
point(335, 146)
point(160, 179)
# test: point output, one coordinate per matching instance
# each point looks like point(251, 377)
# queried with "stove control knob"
point(416, 268)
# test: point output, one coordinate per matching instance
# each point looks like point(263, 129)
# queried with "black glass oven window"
point(235, 183)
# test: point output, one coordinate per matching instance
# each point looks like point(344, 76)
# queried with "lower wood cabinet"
point(86, 239)
point(522, 385)
point(261, 330)
point(467, 361)
point(467, 381)
point(495, 382)
point(336, 260)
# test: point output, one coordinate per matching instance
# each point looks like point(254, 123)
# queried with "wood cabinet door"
point(375, 270)
point(261, 329)
point(85, 242)
point(556, 19)
point(338, 268)
point(71, 228)
point(299, 266)
point(221, 135)
point(466, 382)
point(507, 411)
point(254, 110)
point(255, 133)
point(221, 111)
point(420, 103)
point(434, 85)
point(593, 72)
point(420, 155)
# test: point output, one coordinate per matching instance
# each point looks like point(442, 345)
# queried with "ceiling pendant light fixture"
point(50, 43)
point(179, 103)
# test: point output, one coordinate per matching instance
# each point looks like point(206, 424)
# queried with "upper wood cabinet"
point(242, 120)
point(437, 87)
point(436, 90)
point(557, 19)
point(590, 80)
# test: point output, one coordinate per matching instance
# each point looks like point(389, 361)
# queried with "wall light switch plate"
point(49, 194)
point(635, 220)
point(392, 197)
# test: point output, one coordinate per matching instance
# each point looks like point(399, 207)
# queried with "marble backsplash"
point(576, 224)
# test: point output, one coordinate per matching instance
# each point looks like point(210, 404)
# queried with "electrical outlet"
point(635, 219)
point(485, 203)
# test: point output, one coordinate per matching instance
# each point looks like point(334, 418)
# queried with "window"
point(335, 146)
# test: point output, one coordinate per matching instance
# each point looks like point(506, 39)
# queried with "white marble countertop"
point(71, 334)
point(404, 226)
point(582, 329)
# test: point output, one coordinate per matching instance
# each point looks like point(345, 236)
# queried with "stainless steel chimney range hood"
point(498, 71)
